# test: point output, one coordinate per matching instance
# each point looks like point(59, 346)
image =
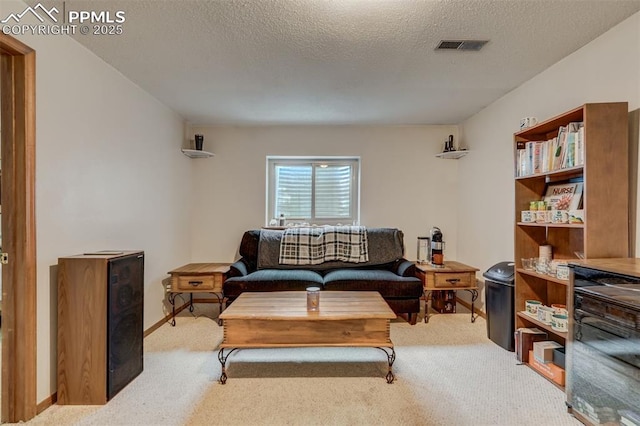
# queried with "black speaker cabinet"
point(100, 328)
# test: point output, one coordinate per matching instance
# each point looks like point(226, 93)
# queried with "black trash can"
point(499, 304)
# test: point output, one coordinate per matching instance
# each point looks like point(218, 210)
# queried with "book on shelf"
point(521, 164)
point(564, 151)
point(571, 149)
point(580, 146)
point(569, 157)
point(537, 157)
point(564, 196)
point(556, 154)
point(562, 144)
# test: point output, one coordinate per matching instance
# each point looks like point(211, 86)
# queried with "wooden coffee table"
point(281, 320)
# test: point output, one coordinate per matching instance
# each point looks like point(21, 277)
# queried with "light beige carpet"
point(447, 373)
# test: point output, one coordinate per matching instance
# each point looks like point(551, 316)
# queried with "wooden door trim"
point(18, 96)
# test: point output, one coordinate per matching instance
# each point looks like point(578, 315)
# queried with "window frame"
point(354, 162)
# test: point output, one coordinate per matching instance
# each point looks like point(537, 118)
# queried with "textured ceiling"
point(340, 61)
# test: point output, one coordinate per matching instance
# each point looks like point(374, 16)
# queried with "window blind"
point(320, 191)
point(332, 192)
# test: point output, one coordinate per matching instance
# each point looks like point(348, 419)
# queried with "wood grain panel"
point(556, 294)
point(18, 230)
point(195, 282)
point(289, 305)
point(566, 241)
point(606, 169)
point(201, 268)
point(449, 266)
point(527, 241)
point(625, 266)
point(82, 325)
point(269, 333)
point(460, 279)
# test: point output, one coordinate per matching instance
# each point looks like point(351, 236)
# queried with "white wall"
point(109, 175)
point(605, 70)
point(403, 184)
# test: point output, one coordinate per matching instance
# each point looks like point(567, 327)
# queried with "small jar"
point(313, 298)
point(562, 271)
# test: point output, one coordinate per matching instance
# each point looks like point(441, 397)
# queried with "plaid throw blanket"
point(312, 246)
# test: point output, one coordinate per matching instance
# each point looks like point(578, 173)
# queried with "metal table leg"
point(474, 297)
point(391, 357)
point(223, 361)
point(427, 298)
point(172, 300)
point(221, 301)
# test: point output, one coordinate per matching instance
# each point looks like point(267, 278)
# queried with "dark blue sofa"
point(386, 272)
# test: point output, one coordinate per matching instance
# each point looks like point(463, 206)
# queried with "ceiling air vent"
point(473, 45)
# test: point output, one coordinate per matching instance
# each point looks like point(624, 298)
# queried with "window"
point(321, 191)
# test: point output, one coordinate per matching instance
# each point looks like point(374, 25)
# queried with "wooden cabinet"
point(100, 325)
point(605, 178)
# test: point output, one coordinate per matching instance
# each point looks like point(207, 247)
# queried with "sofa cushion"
point(385, 246)
point(249, 248)
point(387, 283)
point(272, 280)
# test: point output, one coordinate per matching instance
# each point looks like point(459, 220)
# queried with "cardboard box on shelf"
point(549, 370)
point(543, 350)
point(559, 357)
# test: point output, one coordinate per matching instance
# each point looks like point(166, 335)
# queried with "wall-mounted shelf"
point(452, 155)
point(194, 153)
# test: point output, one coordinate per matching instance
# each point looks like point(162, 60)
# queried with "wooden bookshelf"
point(605, 231)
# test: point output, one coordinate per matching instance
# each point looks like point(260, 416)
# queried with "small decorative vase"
point(199, 140)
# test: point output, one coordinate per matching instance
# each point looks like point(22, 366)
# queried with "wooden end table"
point(197, 278)
point(452, 276)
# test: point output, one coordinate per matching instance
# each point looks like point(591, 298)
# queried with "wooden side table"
point(197, 278)
point(453, 276)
